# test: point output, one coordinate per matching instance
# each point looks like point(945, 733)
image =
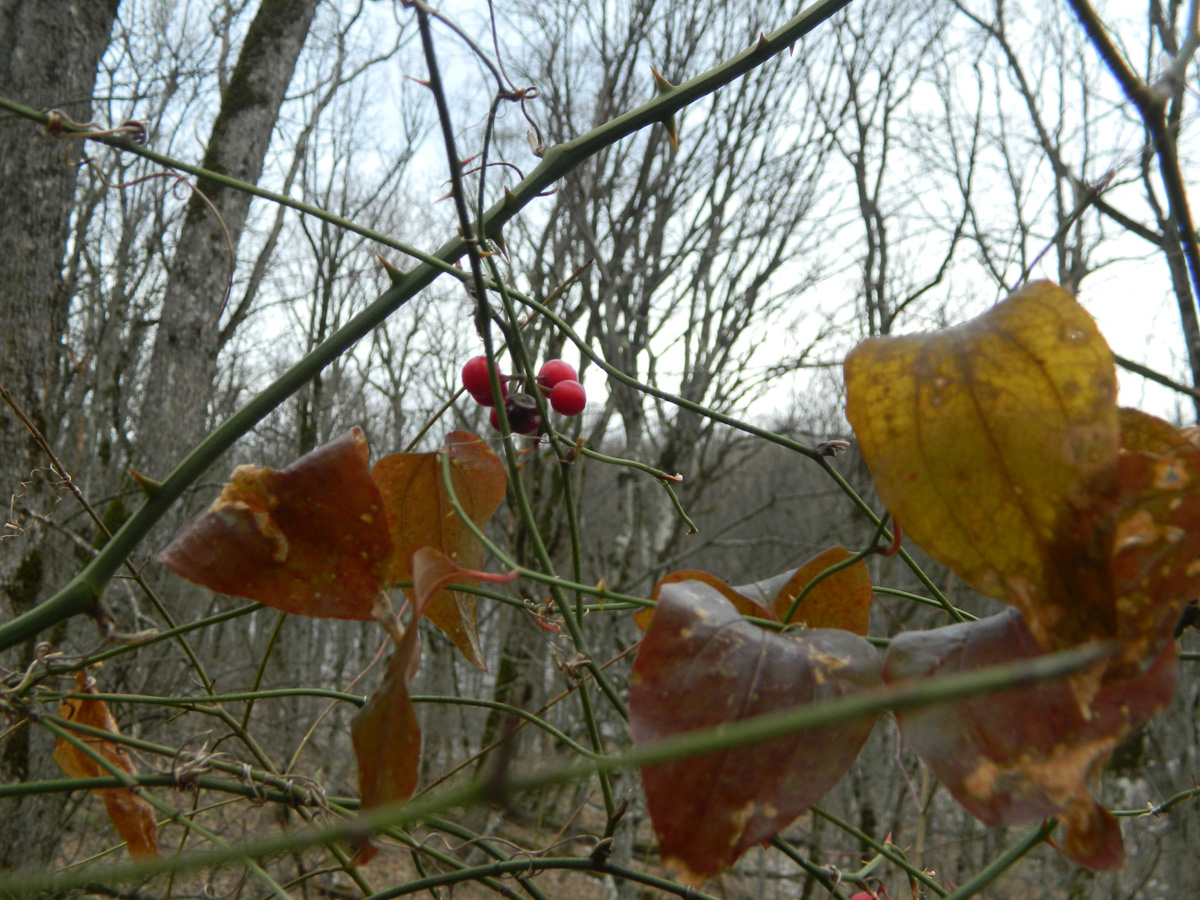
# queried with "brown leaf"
point(1018, 755)
point(386, 735)
point(841, 600)
point(133, 817)
point(988, 440)
point(701, 665)
point(310, 539)
point(419, 515)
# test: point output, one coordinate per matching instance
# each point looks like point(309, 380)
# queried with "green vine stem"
point(207, 782)
point(81, 595)
point(168, 162)
point(820, 873)
point(889, 851)
point(997, 866)
point(477, 840)
point(871, 548)
point(531, 865)
point(63, 733)
point(749, 731)
point(740, 425)
point(573, 626)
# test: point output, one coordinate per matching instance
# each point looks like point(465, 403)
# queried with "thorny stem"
point(63, 733)
point(748, 731)
point(82, 593)
point(887, 850)
point(483, 325)
point(573, 626)
point(997, 866)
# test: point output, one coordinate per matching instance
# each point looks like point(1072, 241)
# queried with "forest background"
point(902, 168)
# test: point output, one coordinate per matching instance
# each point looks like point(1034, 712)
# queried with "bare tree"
point(184, 361)
point(696, 253)
point(48, 57)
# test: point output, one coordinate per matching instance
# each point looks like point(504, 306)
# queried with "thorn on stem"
point(148, 485)
point(394, 272)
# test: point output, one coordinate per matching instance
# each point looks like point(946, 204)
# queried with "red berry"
point(568, 398)
point(554, 371)
point(523, 415)
point(478, 383)
point(494, 418)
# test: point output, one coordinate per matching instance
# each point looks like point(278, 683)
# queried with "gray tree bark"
point(49, 50)
point(183, 366)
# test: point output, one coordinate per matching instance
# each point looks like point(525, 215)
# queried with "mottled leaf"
point(419, 514)
point(841, 600)
point(1154, 560)
point(1144, 433)
point(985, 439)
point(1018, 755)
point(701, 665)
point(132, 816)
point(310, 539)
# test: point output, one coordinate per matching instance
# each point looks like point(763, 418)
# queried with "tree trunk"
point(49, 50)
point(174, 415)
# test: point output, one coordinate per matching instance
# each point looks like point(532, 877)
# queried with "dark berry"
point(568, 398)
point(553, 372)
point(478, 383)
point(523, 415)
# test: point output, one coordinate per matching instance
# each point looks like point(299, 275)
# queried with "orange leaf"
point(841, 600)
point(132, 816)
point(1155, 549)
point(310, 539)
point(433, 571)
point(988, 439)
point(744, 604)
point(419, 515)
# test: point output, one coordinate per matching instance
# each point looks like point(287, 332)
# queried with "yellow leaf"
point(988, 439)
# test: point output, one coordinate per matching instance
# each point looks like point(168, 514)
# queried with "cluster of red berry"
point(556, 379)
